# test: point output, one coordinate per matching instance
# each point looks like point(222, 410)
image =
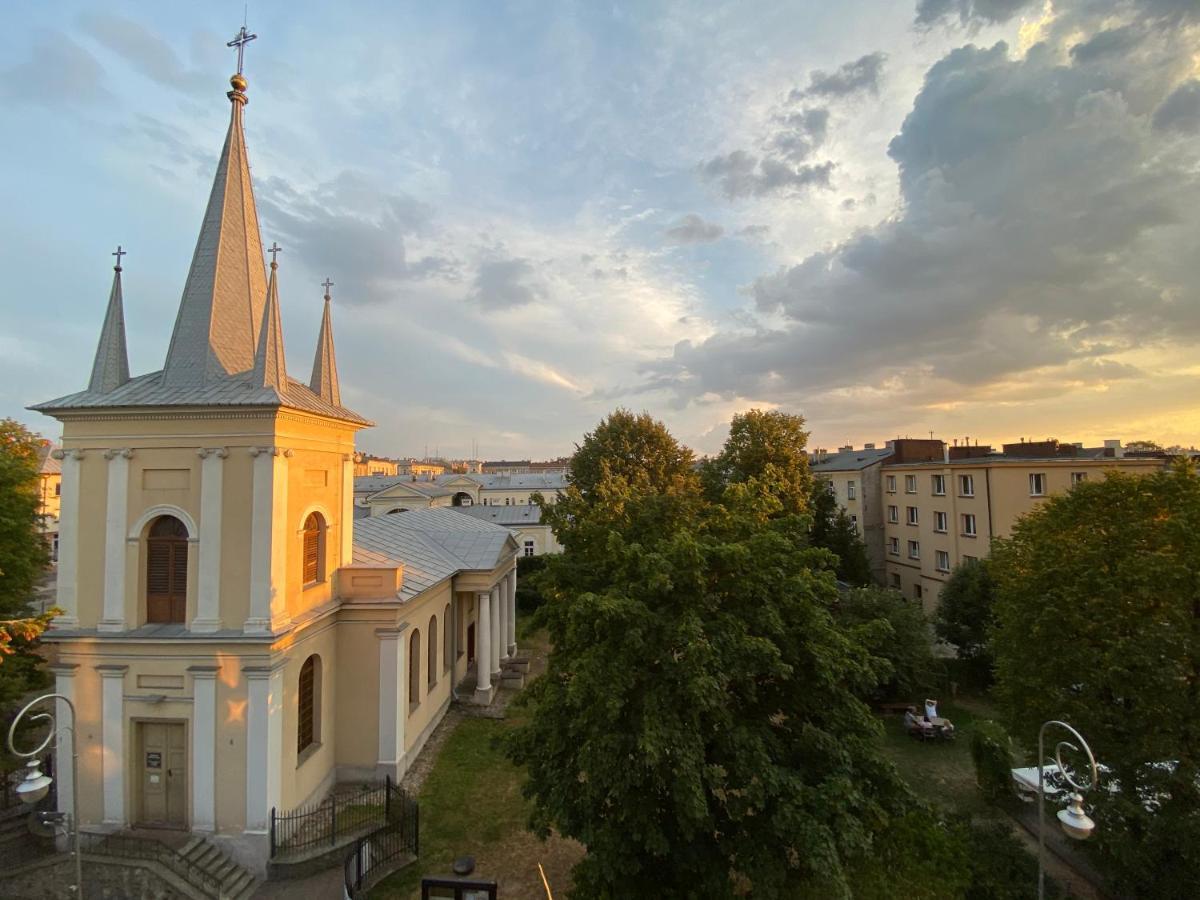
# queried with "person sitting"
point(944, 727)
point(930, 710)
point(915, 725)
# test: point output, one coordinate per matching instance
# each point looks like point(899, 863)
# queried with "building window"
point(939, 522)
point(414, 669)
point(966, 485)
point(54, 552)
point(854, 521)
point(894, 546)
point(433, 652)
point(1037, 484)
point(896, 580)
point(308, 705)
point(166, 571)
point(849, 490)
point(917, 592)
point(914, 550)
point(314, 549)
point(529, 548)
point(939, 485)
point(58, 489)
point(1078, 477)
point(910, 484)
point(969, 524)
point(508, 501)
point(943, 561)
point(970, 559)
point(893, 514)
point(912, 515)
point(891, 484)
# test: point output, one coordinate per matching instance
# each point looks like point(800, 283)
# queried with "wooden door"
point(162, 756)
point(166, 571)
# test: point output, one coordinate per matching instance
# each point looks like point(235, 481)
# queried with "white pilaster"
point(264, 743)
point(68, 539)
point(112, 737)
point(204, 747)
point(494, 600)
point(64, 683)
point(116, 520)
point(483, 647)
point(347, 523)
point(207, 617)
point(502, 643)
point(268, 550)
point(512, 613)
point(392, 706)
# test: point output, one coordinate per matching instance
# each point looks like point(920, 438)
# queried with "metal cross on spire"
point(327, 284)
point(242, 39)
point(118, 255)
point(274, 251)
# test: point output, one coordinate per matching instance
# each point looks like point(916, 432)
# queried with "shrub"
point(992, 753)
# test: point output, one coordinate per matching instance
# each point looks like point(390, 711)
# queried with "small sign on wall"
point(153, 760)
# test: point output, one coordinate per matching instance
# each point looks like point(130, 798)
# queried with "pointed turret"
point(110, 369)
point(324, 381)
point(216, 330)
point(270, 368)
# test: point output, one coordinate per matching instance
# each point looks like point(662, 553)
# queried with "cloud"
point(59, 72)
point(505, 284)
point(990, 12)
point(692, 229)
point(1181, 110)
point(860, 75)
point(741, 174)
point(144, 50)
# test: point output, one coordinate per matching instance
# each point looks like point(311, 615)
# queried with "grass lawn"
point(471, 805)
point(941, 771)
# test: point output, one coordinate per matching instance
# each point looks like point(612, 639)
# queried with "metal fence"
point(374, 855)
point(336, 818)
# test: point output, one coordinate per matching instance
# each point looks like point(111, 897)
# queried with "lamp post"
point(35, 785)
point(1073, 819)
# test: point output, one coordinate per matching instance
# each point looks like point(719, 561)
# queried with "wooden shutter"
point(312, 548)
point(304, 730)
point(166, 571)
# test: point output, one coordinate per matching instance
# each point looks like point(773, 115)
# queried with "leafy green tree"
point(699, 727)
point(638, 449)
point(965, 616)
point(760, 440)
point(1098, 623)
point(833, 530)
point(892, 629)
point(1143, 445)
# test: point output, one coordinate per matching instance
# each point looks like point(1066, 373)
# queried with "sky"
point(967, 217)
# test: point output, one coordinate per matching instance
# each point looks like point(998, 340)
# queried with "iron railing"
point(337, 818)
point(123, 846)
point(373, 854)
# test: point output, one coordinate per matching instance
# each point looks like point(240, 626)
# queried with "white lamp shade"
point(1075, 822)
point(34, 786)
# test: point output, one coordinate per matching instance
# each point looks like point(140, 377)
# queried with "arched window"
point(414, 669)
point(166, 570)
point(433, 652)
point(398, 509)
point(446, 638)
point(314, 549)
point(308, 704)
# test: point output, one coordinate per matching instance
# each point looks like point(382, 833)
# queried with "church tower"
point(206, 511)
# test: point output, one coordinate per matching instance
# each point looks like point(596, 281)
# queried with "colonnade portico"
point(496, 630)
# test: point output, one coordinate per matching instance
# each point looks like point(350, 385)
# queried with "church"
point(232, 640)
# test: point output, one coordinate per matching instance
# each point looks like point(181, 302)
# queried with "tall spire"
point(216, 329)
point(110, 369)
point(324, 381)
point(270, 368)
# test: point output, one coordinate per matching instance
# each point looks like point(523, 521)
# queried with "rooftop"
point(510, 516)
point(850, 460)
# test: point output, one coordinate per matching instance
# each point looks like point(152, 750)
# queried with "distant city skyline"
point(972, 219)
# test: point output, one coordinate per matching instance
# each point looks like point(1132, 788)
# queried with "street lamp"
point(36, 784)
point(1073, 819)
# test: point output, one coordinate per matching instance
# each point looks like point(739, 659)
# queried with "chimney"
point(1114, 444)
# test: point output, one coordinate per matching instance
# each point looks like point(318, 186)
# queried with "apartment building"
point(856, 478)
point(943, 505)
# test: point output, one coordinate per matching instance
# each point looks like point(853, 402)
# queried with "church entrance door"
point(162, 763)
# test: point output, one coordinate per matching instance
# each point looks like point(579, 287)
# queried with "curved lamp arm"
point(54, 729)
point(1058, 748)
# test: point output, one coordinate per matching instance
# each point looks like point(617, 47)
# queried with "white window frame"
point(912, 515)
point(914, 549)
point(966, 485)
point(529, 547)
point(1037, 484)
point(910, 484)
point(854, 521)
point(850, 490)
point(942, 558)
point(894, 546)
point(940, 522)
point(968, 519)
point(1078, 478)
point(894, 515)
point(891, 484)
point(938, 485)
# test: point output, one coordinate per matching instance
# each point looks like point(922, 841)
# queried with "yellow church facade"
point(231, 644)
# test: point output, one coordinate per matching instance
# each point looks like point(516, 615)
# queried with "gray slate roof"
point(509, 516)
point(851, 460)
point(534, 481)
point(431, 544)
point(373, 484)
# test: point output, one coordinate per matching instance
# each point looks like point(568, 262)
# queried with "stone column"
point(204, 747)
point(494, 599)
point(264, 743)
point(268, 549)
point(347, 523)
point(207, 617)
point(64, 683)
point(483, 647)
point(512, 613)
point(116, 521)
point(112, 742)
point(68, 539)
point(502, 619)
point(393, 707)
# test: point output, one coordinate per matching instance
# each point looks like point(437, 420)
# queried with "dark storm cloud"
point(692, 229)
point(1043, 224)
point(860, 75)
point(504, 284)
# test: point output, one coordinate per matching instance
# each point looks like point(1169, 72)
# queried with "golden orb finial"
point(238, 80)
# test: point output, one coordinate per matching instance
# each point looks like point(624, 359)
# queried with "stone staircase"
point(235, 882)
point(513, 672)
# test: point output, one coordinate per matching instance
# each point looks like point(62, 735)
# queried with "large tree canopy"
point(23, 553)
point(965, 615)
point(767, 446)
point(1098, 623)
point(700, 726)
